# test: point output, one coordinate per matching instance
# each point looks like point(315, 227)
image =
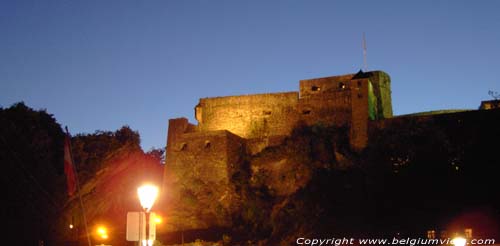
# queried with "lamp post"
point(459, 241)
point(147, 196)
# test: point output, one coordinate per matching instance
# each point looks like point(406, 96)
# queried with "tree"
point(31, 156)
point(158, 154)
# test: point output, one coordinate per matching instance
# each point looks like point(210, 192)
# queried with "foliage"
point(91, 150)
point(31, 146)
point(158, 154)
point(34, 193)
point(111, 167)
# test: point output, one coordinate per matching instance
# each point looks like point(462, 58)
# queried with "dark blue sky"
point(98, 65)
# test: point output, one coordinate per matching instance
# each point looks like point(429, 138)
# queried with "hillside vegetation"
point(35, 204)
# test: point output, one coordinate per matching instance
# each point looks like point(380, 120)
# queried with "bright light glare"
point(101, 230)
point(459, 241)
point(157, 219)
point(147, 196)
point(70, 226)
point(150, 243)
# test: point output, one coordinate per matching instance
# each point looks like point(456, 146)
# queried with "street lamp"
point(459, 241)
point(102, 232)
point(147, 196)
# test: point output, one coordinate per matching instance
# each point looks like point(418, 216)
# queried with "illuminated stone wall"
point(380, 82)
point(202, 159)
point(249, 116)
point(382, 91)
point(198, 178)
point(346, 100)
point(321, 86)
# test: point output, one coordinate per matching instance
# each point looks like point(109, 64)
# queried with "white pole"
point(365, 63)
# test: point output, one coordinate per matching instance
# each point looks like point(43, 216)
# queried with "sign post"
point(136, 226)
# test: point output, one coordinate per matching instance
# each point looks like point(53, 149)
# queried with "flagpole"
point(78, 188)
point(365, 64)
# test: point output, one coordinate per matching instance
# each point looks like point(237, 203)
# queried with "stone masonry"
point(229, 127)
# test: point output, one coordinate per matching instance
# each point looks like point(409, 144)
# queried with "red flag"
point(69, 169)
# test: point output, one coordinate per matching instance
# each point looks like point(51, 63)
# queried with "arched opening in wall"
point(306, 111)
point(266, 112)
point(207, 144)
point(315, 88)
point(184, 146)
point(342, 86)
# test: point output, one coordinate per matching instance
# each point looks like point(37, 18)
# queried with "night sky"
point(98, 65)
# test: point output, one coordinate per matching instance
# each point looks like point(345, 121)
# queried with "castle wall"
point(177, 127)
point(203, 159)
point(205, 153)
point(319, 86)
point(199, 168)
point(360, 108)
point(249, 116)
point(347, 100)
point(381, 88)
point(382, 91)
point(329, 109)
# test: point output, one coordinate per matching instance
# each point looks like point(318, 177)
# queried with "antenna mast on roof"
point(365, 64)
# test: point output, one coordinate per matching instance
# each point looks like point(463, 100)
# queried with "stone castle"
point(229, 127)
point(261, 120)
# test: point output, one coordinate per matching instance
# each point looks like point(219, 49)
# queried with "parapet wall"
point(319, 86)
point(249, 116)
point(329, 109)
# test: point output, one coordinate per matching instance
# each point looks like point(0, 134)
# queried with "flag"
point(69, 168)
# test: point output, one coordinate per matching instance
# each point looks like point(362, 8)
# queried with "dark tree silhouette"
point(32, 179)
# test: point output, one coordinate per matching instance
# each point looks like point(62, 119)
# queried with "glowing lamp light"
point(459, 241)
point(157, 219)
point(102, 232)
point(71, 226)
point(149, 242)
point(147, 196)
